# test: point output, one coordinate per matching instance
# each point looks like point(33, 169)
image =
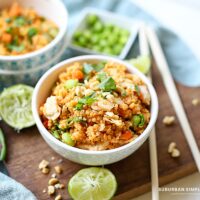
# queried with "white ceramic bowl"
point(28, 76)
point(51, 9)
point(42, 91)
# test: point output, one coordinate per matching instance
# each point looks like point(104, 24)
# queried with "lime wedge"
point(15, 106)
point(143, 63)
point(92, 183)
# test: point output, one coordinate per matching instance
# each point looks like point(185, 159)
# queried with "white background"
point(183, 17)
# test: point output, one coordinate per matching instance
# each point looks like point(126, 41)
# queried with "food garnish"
point(92, 183)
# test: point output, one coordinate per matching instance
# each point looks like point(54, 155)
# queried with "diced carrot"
point(15, 10)
point(126, 135)
point(7, 38)
point(77, 74)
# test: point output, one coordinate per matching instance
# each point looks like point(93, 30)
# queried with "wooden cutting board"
point(27, 148)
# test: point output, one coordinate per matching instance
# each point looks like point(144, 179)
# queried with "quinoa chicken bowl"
point(96, 105)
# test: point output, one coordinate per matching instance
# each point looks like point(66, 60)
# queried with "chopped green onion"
point(69, 84)
point(8, 20)
point(55, 133)
point(9, 30)
point(75, 119)
point(138, 120)
point(79, 106)
point(99, 67)
point(2, 146)
point(87, 68)
point(108, 84)
point(19, 21)
point(137, 89)
point(124, 93)
point(87, 100)
point(16, 48)
point(32, 31)
point(101, 76)
point(66, 138)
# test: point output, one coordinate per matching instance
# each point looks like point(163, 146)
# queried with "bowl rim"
point(45, 132)
point(58, 38)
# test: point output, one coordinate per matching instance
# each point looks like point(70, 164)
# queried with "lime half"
point(143, 63)
point(92, 183)
point(15, 106)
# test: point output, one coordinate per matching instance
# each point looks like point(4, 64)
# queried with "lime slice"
point(143, 63)
point(92, 183)
point(15, 106)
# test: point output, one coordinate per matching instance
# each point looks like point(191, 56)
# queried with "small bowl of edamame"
point(103, 32)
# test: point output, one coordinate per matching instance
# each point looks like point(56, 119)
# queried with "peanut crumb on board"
point(52, 158)
point(62, 186)
point(175, 153)
point(168, 120)
point(59, 197)
point(43, 164)
point(53, 181)
point(51, 190)
point(195, 102)
point(171, 146)
point(59, 186)
point(58, 169)
point(45, 170)
point(173, 150)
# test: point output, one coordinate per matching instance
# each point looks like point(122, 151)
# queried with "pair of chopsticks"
point(148, 35)
point(144, 50)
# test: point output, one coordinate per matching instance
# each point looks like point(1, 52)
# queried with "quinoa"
point(23, 30)
point(97, 106)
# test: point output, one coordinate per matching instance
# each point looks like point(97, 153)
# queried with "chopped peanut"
point(195, 102)
point(59, 186)
point(171, 146)
point(62, 186)
point(44, 190)
point(45, 170)
point(58, 169)
point(51, 190)
point(43, 164)
point(175, 153)
point(168, 120)
point(53, 181)
point(59, 197)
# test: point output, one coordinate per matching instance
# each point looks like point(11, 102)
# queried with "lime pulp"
point(92, 183)
point(143, 63)
point(15, 106)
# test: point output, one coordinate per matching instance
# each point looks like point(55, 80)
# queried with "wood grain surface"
point(27, 148)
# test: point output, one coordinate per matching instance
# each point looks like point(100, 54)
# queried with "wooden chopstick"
point(173, 93)
point(144, 50)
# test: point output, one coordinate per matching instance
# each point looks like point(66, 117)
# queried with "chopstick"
point(144, 50)
point(173, 93)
